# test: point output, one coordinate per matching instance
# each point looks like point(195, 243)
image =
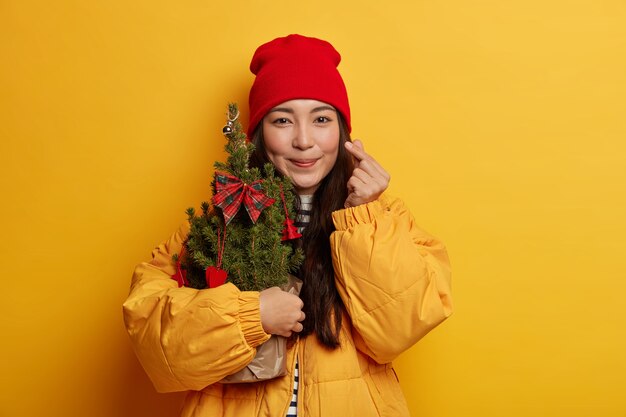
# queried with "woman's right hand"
point(281, 312)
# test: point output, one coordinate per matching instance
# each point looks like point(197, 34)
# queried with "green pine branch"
point(254, 256)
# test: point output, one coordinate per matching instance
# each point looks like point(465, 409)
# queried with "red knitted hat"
point(296, 67)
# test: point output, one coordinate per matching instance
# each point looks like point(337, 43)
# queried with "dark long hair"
point(322, 304)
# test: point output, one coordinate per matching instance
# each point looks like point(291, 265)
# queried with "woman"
point(374, 283)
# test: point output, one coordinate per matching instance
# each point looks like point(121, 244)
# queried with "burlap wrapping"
point(270, 360)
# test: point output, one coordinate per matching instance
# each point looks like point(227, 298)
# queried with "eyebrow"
point(291, 111)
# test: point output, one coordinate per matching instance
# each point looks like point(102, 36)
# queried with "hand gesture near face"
point(368, 180)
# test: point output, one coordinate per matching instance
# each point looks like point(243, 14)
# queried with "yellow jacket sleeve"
point(393, 278)
point(185, 338)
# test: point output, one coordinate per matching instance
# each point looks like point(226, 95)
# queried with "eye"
point(281, 121)
point(322, 119)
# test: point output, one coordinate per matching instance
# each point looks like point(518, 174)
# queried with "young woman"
point(374, 282)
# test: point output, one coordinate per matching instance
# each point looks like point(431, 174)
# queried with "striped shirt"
point(293, 406)
point(304, 214)
point(302, 219)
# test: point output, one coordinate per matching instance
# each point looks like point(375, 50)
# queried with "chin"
point(305, 188)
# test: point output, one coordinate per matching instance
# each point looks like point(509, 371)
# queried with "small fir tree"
point(227, 239)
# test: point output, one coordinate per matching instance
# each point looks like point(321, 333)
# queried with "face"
point(302, 141)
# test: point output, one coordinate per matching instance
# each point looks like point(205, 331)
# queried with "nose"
point(303, 138)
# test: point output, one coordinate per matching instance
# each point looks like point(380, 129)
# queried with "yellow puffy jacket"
point(393, 278)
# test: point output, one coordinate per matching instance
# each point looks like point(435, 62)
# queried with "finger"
point(362, 175)
point(348, 146)
point(371, 180)
point(371, 162)
point(373, 168)
point(298, 327)
point(362, 185)
point(356, 151)
point(302, 316)
point(365, 190)
point(355, 184)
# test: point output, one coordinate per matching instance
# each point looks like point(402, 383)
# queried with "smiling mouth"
point(303, 163)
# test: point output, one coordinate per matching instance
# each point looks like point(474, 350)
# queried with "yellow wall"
point(501, 122)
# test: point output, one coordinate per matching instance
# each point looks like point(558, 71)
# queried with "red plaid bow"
point(231, 192)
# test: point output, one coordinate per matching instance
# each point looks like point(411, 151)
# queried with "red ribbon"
point(231, 192)
point(290, 231)
point(215, 275)
point(180, 275)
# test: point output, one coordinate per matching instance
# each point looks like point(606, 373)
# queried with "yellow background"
point(501, 122)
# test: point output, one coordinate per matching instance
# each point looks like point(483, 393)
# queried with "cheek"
point(330, 144)
point(276, 159)
point(333, 160)
point(274, 144)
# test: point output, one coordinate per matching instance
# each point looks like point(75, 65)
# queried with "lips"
point(303, 163)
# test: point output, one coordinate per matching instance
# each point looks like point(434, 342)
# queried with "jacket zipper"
point(292, 383)
point(299, 356)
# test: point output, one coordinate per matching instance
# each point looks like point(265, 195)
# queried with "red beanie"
point(296, 67)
